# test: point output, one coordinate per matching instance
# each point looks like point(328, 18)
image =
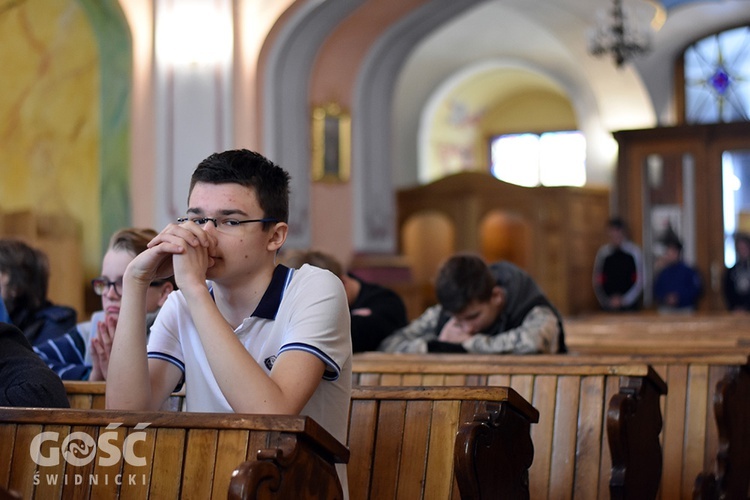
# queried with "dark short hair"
point(461, 280)
point(250, 169)
point(617, 223)
point(27, 269)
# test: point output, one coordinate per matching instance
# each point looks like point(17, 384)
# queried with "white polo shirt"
point(302, 309)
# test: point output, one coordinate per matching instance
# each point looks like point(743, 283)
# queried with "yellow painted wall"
point(49, 115)
point(489, 104)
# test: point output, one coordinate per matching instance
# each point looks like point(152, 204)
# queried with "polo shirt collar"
point(271, 301)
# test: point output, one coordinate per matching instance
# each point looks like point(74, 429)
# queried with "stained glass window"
point(717, 78)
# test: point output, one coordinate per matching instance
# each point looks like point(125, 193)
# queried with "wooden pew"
point(650, 333)
point(571, 457)
point(118, 454)
point(410, 439)
point(729, 477)
point(406, 441)
point(86, 395)
point(689, 436)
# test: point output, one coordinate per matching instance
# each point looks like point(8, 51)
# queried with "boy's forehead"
point(227, 196)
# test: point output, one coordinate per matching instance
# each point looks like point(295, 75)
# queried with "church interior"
point(390, 116)
point(372, 106)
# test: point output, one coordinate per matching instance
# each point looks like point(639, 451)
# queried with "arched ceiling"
point(550, 39)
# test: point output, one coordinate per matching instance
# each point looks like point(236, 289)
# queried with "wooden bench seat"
point(128, 454)
point(571, 453)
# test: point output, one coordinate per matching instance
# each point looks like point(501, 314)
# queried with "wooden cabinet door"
point(673, 176)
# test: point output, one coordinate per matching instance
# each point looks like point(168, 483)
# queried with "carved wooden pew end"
point(730, 478)
point(634, 423)
point(285, 472)
point(493, 454)
point(405, 441)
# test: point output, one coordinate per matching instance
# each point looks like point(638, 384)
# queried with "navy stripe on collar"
point(271, 300)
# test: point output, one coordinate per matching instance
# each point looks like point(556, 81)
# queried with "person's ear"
point(277, 236)
point(498, 296)
point(166, 289)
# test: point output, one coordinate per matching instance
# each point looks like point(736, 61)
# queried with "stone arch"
point(372, 158)
point(286, 138)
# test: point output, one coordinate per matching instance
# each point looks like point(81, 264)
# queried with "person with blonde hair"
point(83, 352)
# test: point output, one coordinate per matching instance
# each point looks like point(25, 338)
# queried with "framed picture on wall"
point(331, 144)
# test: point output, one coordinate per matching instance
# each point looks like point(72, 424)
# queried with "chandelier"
point(621, 36)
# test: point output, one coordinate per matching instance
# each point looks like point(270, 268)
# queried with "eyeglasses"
point(226, 225)
point(101, 285)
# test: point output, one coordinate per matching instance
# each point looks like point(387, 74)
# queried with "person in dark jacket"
point(492, 309)
point(4, 318)
point(736, 279)
point(25, 380)
point(678, 285)
point(618, 275)
point(376, 311)
point(24, 280)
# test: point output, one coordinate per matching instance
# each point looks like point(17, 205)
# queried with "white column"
point(193, 59)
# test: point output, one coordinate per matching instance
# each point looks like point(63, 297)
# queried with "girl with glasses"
point(83, 353)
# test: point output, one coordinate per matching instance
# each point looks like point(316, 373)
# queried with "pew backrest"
point(118, 454)
point(571, 392)
point(85, 395)
point(403, 440)
point(571, 454)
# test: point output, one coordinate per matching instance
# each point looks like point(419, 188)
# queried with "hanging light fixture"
point(625, 36)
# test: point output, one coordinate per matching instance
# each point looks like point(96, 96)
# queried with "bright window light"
point(515, 159)
point(194, 32)
point(549, 159)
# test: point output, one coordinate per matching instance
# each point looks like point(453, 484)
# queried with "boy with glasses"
point(244, 334)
